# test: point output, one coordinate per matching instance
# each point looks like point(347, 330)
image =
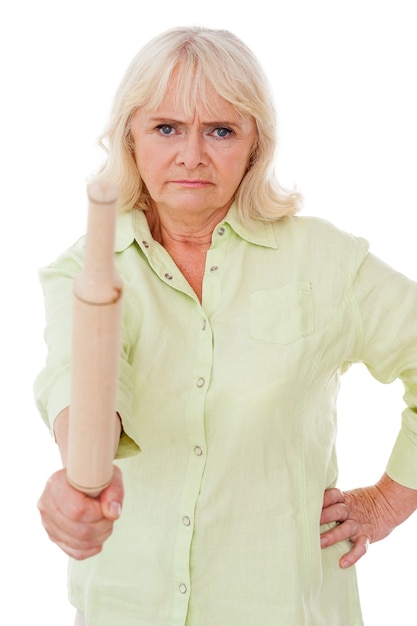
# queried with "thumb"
point(111, 498)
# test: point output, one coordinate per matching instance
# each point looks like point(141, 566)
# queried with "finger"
point(334, 513)
point(332, 496)
point(63, 526)
point(341, 532)
point(59, 495)
point(111, 499)
point(77, 506)
point(79, 554)
point(359, 548)
point(78, 537)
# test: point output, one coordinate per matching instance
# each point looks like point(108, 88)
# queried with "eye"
point(221, 132)
point(165, 129)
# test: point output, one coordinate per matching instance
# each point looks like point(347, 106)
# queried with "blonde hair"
point(204, 60)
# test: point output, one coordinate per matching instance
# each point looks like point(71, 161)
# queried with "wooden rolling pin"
point(97, 305)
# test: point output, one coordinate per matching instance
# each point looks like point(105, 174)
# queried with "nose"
point(192, 153)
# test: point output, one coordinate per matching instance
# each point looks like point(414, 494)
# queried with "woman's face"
point(192, 164)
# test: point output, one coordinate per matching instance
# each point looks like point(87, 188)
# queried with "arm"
point(77, 523)
point(365, 515)
point(88, 439)
point(387, 345)
point(61, 433)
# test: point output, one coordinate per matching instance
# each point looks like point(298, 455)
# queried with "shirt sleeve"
point(52, 385)
point(387, 304)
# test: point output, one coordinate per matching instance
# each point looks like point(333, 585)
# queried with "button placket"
point(213, 275)
point(195, 418)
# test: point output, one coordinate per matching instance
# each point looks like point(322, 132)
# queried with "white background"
point(344, 78)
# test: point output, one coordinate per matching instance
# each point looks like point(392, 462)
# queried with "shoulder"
point(307, 225)
point(320, 245)
point(71, 260)
point(316, 233)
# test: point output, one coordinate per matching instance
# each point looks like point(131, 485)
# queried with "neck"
point(192, 231)
point(186, 241)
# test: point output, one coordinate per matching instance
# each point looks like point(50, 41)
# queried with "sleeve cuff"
point(402, 465)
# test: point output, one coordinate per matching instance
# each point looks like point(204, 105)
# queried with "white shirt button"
point(201, 382)
point(186, 520)
point(214, 268)
point(198, 451)
point(168, 276)
point(221, 231)
point(182, 588)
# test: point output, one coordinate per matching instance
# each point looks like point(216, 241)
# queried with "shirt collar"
point(254, 231)
point(134, 225)
point(125, 231)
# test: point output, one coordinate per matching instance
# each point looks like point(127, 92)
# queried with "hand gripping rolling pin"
point(95, 350)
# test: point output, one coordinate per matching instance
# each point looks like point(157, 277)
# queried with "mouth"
point(192, 184)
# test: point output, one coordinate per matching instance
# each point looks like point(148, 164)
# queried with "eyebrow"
point(169, 120)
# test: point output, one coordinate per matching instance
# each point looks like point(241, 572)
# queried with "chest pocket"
point(282, 315)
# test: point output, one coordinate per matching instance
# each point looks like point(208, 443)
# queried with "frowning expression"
point(192, 163)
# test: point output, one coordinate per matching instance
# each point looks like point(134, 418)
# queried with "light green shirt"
point(233, 405)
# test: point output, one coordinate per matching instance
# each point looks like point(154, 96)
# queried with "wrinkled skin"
point(365, 515)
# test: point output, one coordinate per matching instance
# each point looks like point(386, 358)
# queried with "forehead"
point(185, 102)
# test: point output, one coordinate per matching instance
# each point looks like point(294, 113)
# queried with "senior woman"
point(239, 319)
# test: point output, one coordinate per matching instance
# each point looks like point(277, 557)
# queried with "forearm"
point(397, 502)
point(61, 433)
